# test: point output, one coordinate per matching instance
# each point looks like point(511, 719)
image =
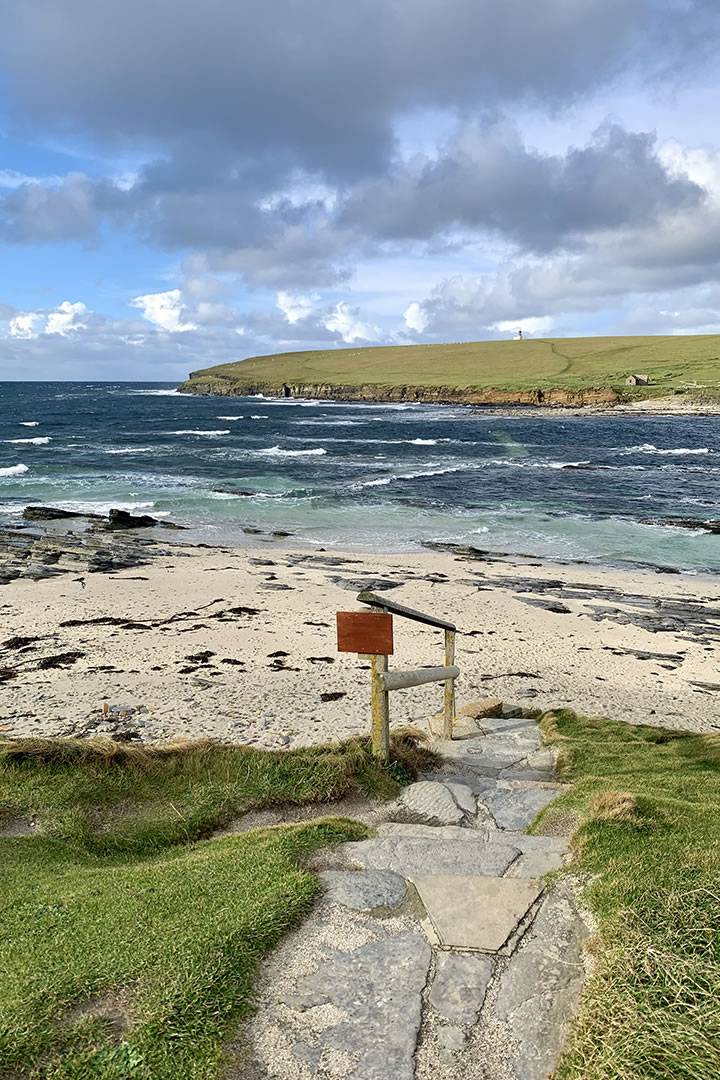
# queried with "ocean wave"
point(649, 448)
point(231, 417)
point(156, 393)
point(328, 423)
point(133, 450)
point(14, 470)
point(258, 416)
point(29, 423)
point(382, 481)
point(191, 431)
point(41, 440)
point(524, 464)
point(87, 506)
point(277, 451)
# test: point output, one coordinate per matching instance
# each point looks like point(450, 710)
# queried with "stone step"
point(476, 912)
point(414, 856)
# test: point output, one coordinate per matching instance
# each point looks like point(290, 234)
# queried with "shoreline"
point(239, 644)
point(559, 401)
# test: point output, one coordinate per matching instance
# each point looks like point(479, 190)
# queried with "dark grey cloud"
point(39, 213)
point(487, 180)
point(318, 83)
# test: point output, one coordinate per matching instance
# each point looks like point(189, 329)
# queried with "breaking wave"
point(14, 470)
point(41, 440)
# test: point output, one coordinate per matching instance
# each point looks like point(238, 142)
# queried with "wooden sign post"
point(371, 634)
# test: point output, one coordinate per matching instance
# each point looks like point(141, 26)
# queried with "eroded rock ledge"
point(227, 386)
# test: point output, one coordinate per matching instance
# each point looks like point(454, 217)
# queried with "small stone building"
point(637, 380)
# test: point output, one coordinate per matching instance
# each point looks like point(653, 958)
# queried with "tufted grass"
point(129, 936)
point(648, 803)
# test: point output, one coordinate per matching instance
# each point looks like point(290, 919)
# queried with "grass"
point(648, 802)
point(674, 363)
point(129, 940)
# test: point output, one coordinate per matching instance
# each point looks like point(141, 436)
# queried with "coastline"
point(239, 644)
point(603, 400)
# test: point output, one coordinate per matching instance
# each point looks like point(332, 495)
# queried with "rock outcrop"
point(226, 385)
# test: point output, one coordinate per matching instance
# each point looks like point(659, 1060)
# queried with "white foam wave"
point(29, 423)
point(649, 448)
point(191, 431)
point(424, 442)
point(256, 416)
point(14, 470)
point(87, 506)
point(276, 451)
point(384, 480)
point(157, 393)
point(327, 423)
point(231, 417)
point(41, 440)
point(132, 450)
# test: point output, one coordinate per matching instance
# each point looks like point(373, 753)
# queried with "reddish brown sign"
point(365, 632)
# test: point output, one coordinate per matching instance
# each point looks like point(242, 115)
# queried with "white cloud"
point(27, 324)
point(415, 318)
point(295, 308)
point(61, 320)
point(166, 310)
point(343, 320)
point(541, 325)
point(66, 317)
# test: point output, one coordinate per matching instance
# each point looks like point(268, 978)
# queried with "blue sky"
point(184, 185)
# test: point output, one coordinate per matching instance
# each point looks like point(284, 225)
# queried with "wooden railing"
point(383, 681)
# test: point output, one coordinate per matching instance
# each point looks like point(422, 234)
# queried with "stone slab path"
point(437, 951)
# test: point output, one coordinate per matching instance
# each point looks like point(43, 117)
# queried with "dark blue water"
point(367, 477)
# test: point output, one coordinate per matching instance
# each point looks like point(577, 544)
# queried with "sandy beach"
point(240, 644)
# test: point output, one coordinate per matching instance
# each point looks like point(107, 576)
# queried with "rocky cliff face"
point(227, 386)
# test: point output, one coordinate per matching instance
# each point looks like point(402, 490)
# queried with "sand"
point(507, 647)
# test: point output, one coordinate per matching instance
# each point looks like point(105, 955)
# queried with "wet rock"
point(712, 526)
point(49, 513)
point(123, 519)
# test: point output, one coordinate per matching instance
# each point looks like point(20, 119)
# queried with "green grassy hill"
point(573, 367)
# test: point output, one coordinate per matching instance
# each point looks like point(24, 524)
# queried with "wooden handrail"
point(405, 612)
point(402, 680)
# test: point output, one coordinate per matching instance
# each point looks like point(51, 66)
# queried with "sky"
point(186, 184)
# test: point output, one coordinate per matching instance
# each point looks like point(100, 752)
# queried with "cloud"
point(27, 324)
point(62, 320)
point(487, 179)
point(66, 317)
point(166, 310)
point(317, 85)
point(415, 318)
point(50, 211)
point(345, 322)
point(295, 308)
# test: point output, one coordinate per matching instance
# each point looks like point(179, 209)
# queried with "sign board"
point(365, 632)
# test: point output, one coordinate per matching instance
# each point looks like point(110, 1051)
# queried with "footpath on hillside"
point(437, 950)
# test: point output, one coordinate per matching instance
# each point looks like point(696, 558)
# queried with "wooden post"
point(380, 709)
point(449, 712)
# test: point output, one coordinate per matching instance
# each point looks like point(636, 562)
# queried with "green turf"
point(127, 944)
point(671, 362)
point(649, 842)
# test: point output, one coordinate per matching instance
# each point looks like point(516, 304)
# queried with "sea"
point(367, 477)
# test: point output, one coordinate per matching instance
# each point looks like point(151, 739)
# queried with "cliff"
point(198, 383)
point(560, 372)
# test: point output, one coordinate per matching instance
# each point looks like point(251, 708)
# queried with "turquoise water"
point(367, 477)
